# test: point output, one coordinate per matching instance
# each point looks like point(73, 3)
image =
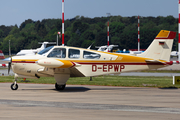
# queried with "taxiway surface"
point(82, 102)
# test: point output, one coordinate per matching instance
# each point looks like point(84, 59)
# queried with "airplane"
point(135, 52)
point(106, 48)
point(174, 54)
point(62, 62)
point(34, 51)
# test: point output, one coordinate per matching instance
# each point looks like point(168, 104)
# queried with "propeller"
point(9, 65)
point(10, 61)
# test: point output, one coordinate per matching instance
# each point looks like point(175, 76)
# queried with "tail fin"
point(1, 55)
point(160, 48)
point(44, 45)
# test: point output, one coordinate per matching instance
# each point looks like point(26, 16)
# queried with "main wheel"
point(14, 87)
point(60, 87)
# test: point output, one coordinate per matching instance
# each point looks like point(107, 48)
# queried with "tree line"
point(82, 32)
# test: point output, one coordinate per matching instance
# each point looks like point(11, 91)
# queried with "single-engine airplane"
point(62, 62)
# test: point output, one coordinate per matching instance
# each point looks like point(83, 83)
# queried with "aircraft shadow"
point(67, 89)
point(74, 89)
point(169, 88)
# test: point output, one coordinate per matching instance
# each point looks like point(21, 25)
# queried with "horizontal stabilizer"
point(155, 61)
point(152, 61)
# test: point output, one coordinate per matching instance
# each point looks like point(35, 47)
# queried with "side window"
point(90, 55)
point(74, 53)
point(58, 53)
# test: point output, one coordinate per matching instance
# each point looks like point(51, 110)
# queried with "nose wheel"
point(14, 86)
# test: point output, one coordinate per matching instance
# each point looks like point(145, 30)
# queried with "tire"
point(60, 87)
point(14, 87)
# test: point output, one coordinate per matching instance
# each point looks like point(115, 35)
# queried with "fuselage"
point(79, 62)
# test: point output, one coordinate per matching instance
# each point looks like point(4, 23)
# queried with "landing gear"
point(60, 87)
point(14, 86)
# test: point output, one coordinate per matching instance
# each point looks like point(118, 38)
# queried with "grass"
point(107, 80)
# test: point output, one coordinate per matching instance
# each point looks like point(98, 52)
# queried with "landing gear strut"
point(60, 87)
point(14, 86)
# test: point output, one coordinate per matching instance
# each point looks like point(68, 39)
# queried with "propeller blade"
point(9, 65)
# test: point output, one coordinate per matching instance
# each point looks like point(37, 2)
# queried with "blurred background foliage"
point(82, 32)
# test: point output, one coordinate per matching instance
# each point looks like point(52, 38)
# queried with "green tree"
point(24, 23)
point(101, 39)
point(41, 29)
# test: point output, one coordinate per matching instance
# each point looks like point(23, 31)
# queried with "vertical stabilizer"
point(43, 46)
point(160, 48)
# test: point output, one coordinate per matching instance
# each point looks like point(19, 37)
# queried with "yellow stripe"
point(125, 60)
point(25, 59)
point(67, 64)
point(120, 58)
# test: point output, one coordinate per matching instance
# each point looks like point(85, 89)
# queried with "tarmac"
point(85, 102)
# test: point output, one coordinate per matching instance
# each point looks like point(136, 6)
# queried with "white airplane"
point(106, 48)
point(174, 54)
point(34, 51)
point(135, 52)
point(62, 62)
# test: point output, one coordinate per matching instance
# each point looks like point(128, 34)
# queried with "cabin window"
point(90, 55)
point(74, 53)
point(58, 53)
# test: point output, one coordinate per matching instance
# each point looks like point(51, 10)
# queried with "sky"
point(17, 11)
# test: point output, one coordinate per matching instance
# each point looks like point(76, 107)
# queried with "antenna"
point(62, 22)
point(138, 34)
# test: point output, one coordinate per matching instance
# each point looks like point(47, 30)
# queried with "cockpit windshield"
point(45, 50)
point(58, 53)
